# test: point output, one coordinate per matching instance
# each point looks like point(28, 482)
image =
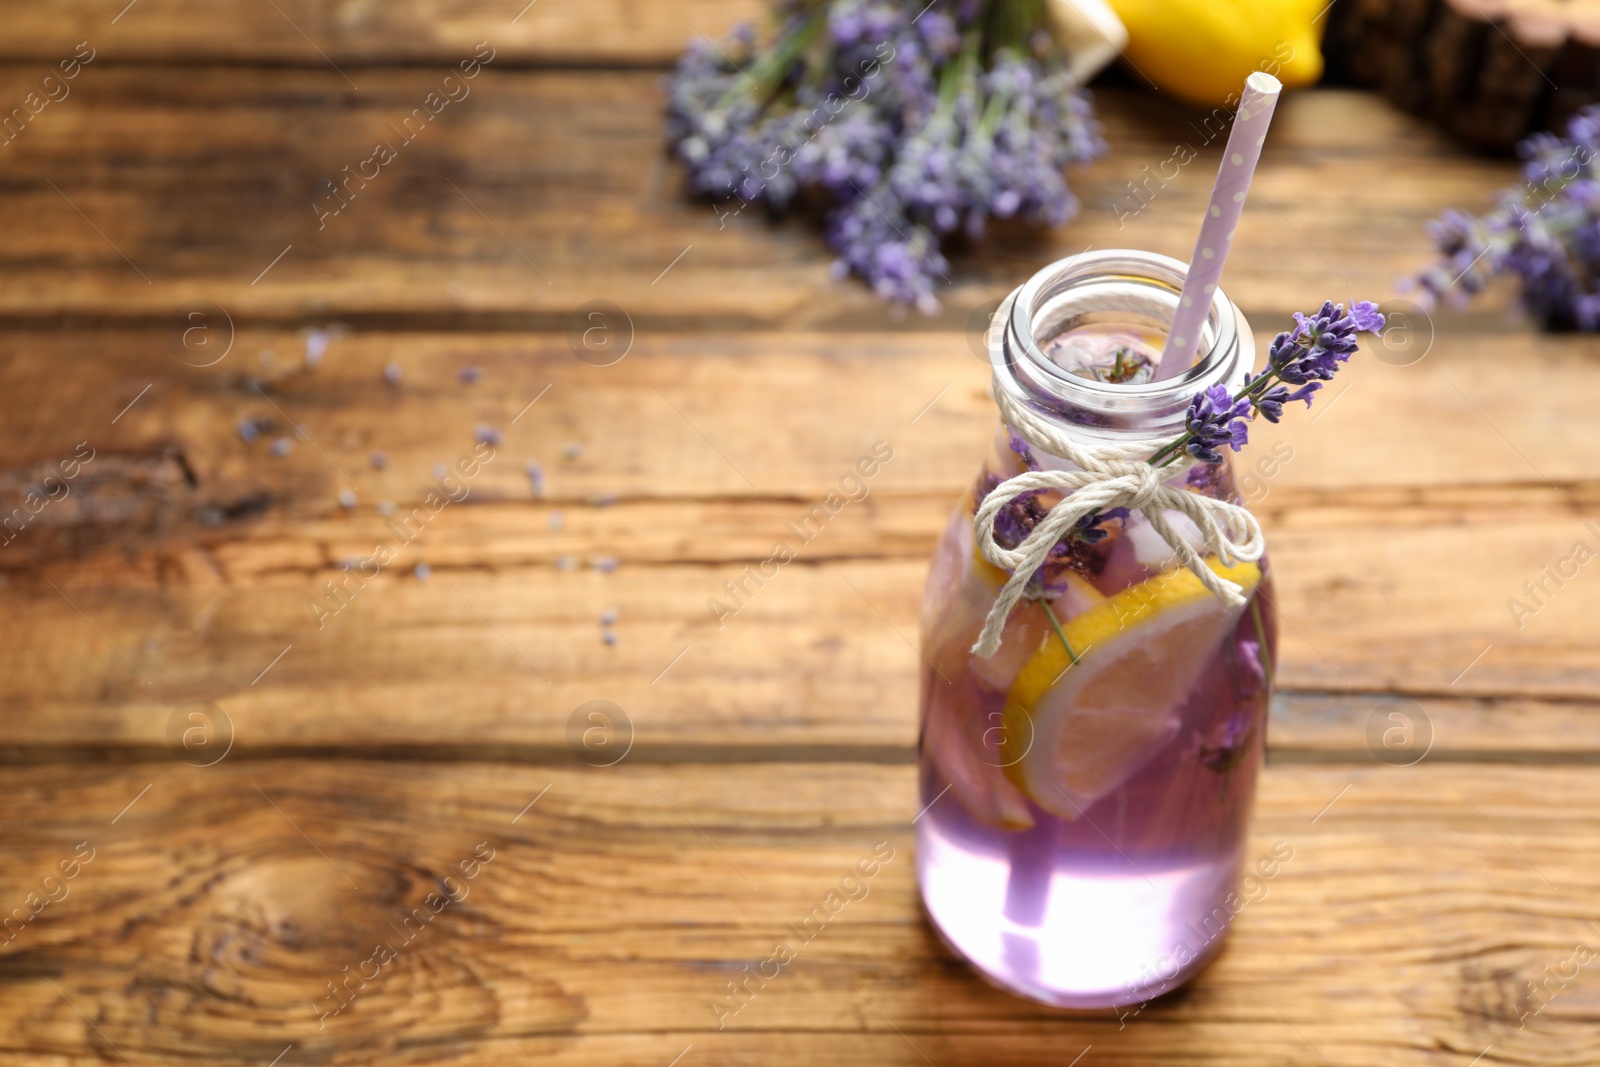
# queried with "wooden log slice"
point(1489, 72)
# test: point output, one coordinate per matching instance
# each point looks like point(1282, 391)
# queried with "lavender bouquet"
point(906, 121)
point(1545, 231)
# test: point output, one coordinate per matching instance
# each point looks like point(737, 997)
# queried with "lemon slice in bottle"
point(1077, 730)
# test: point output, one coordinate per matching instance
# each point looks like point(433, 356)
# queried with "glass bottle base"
point(1072, 936)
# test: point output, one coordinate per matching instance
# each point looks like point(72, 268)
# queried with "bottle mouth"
point(1121, 292)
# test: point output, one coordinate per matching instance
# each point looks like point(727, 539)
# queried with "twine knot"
point(1108, 476)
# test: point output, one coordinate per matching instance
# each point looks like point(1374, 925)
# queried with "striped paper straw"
point(1222, 218)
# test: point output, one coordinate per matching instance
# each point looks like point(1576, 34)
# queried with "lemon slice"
point(1076, 731)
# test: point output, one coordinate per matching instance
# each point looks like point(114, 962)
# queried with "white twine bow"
point(1108, 476)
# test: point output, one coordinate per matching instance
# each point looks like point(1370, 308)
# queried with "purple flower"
point(1311, 352)
point(1020, 447)
point(1271, 402)
point(1014, 522)
point(1252, 668)
point(1088, 529)
point(1305, 356)
point(1366, 316)
point(1228, 744)
point(908, 123)
point(1545, 232)
point(1216, 418)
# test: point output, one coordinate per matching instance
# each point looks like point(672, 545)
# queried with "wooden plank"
point(578, 202)
point(353, 33)
point(684, 414)
point(1400, 542)
point(1416, 912)
point(822, 658)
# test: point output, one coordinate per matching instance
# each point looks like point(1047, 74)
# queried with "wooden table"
point(252, 790)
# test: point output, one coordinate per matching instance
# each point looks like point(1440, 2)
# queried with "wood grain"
point(1412, 918)
point(341, 765)
point(683, 415)
point(1399, 544)
point(543, 191)
point(359, 33)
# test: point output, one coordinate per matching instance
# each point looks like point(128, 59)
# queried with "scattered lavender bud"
point(566, 563)
point(378, 461)
point(249, 431)
point(387, 508)
point(439, 471)
point(421, 572)
point(316, 346)
point(535, 477)
point(282, 446)
point(266, 357)
point(557, 520)
point(347, 564)
point(608, 617)
point(486, 435)
point(347, 498)
point(468, 375)
point(609, 637)
point(602, 500)
point(572, 450)
point(605, 564)
point(392, 373)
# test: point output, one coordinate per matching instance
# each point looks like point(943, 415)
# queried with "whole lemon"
point(1202, 50)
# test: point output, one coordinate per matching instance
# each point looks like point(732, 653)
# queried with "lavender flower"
point(1014, 522)
point(1089, 529)
point(1545, 232)
point(1216, 418)
point(317, 346)
point(250, 429)
point(1307, 356)
point(913, 123)
point(1020, 448)
point(1227, 744)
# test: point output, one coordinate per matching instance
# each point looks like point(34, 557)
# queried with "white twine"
point(1108, 476)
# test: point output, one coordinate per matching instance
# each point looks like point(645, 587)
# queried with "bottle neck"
point(1120, 292)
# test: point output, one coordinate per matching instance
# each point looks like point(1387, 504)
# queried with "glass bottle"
point(1087, 789)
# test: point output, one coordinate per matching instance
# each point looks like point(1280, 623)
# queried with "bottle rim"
point(1146, 288)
